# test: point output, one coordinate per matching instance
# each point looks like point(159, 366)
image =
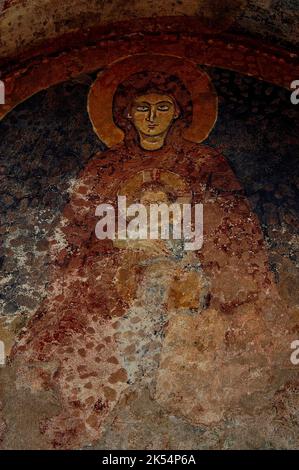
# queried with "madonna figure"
point(198, 329)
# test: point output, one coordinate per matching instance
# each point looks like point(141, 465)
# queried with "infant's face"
point(154, 197)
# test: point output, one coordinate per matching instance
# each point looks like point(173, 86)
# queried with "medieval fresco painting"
point(149, 201)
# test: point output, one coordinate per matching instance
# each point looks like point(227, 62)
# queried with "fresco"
point(130, 343)
point(273, 21)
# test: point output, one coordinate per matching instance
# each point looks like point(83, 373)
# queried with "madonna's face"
point(152, 114)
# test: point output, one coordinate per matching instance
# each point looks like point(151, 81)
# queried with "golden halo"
point(168, 179)
point(203, 94)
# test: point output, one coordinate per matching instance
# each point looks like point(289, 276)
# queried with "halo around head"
point(204, 97)
point(168, 180)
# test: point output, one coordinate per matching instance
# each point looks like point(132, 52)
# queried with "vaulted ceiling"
point(27, 27)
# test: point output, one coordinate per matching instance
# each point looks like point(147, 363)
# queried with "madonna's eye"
point(163, 107)
point(142, 108)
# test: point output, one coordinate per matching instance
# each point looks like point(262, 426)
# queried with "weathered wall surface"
point(44, 144)
point(47, 140)
point(28, 24)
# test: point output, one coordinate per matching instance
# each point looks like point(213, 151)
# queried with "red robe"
point(206, 363)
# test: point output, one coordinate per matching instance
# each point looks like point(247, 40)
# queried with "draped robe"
point(198, 362)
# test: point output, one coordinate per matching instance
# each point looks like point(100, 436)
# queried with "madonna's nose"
point(152, 114)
